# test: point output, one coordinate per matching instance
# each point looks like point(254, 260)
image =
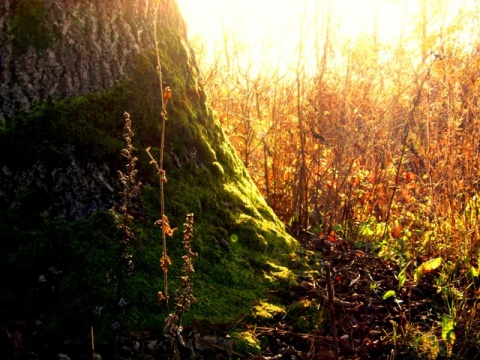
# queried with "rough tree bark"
point(75, 47)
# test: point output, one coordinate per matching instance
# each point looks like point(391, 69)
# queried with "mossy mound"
point(60, 264)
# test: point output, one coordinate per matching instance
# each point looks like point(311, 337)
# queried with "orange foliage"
point(377, 137)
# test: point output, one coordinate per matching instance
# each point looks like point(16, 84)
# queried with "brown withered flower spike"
point(167, 93)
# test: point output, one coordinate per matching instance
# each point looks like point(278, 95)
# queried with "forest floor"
point(369, 325)
point(351, 284)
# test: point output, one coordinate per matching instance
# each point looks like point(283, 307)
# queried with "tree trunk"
point(84, 63)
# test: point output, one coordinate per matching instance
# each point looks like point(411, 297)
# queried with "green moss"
point(280, 275)
point(213, 307)
point(306, 314)
point(28, 26)
point(246, 343)
point(243, 249)
point(267, 311)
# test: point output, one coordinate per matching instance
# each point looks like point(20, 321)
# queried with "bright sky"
point(269, 30)
point(273, 16)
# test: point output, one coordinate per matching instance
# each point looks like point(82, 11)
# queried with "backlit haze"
point(272, 34)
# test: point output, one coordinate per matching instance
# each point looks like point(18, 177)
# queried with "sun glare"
point(274, 33)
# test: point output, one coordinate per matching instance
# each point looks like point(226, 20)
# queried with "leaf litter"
point(379, 311)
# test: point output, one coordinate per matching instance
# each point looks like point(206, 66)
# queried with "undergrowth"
point(380, 151)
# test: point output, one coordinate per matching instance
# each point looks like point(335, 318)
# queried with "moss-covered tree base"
point(59, 243)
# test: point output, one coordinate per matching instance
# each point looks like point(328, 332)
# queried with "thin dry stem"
point(164, 100)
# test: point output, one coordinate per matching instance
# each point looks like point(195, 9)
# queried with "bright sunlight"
point(272, 33)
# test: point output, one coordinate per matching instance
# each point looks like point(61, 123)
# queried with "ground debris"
point(369, 325)
point(366, 320)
